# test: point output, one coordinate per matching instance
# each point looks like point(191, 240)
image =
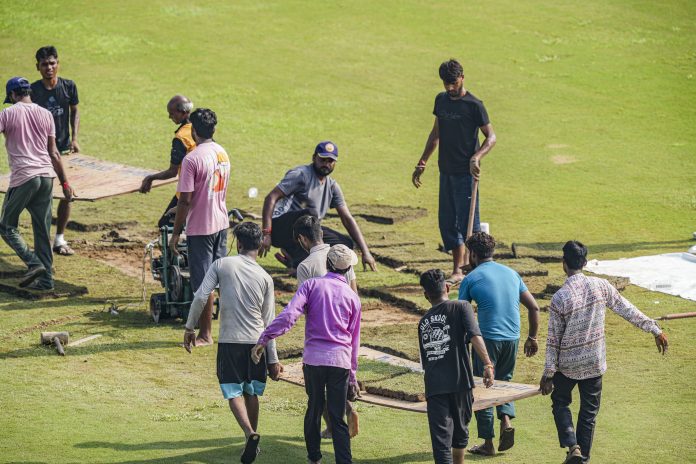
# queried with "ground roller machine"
point(172, 271)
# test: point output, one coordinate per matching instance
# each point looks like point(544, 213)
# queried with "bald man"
point(179, 109)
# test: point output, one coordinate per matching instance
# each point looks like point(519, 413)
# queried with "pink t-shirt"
point(27, 128)
point(205, 171)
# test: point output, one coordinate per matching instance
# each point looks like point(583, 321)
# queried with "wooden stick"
point(676, 316)
point(84, 340)
point(59, 346)
point(472, 213)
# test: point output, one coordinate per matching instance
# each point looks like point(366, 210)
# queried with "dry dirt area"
point(563, 159)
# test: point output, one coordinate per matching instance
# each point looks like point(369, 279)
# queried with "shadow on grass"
point(227, 450)
point(675, 245)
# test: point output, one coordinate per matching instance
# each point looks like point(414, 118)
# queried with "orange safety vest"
point(184, 134)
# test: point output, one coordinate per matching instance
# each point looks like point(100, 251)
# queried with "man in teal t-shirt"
point(497, 291)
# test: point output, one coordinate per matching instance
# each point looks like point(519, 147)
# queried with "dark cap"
point(16, 83)
point(327, 149)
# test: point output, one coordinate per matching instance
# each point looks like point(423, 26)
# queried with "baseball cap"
point(341, 257)
point(15, 83)
point(327, 149)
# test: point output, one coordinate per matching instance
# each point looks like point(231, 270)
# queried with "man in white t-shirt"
point(307, 231)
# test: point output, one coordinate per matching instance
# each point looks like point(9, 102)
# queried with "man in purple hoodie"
point(332, 340)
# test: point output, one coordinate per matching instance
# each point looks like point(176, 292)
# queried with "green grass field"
point(594, 105)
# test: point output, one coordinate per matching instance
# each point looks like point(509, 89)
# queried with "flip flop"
point(63, 250)
point(284, 260)
point(507, 439)
point(480, 450)
point(251, 448)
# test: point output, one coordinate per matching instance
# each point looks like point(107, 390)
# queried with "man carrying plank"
point(330, 356)
point(576, 349)
point(247, 306)
point(458, 118)
point(444, 334)
point(30, 140)
point(497, 291)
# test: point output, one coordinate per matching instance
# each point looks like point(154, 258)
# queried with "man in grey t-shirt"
point(309, 189)
point(247, 307)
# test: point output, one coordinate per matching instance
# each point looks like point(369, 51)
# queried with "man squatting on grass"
point(179, 109)
point(203, 185)
point(458, 118)
point(497, 291)
point(330, 356)
point(444, 333)
point(30, 140)
point(309, 189)
point(59, 97)
point(576, 348)
point(247, 306)
point(308, 234)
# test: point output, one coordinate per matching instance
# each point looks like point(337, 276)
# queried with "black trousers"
point(168, 220)
point(590, 396)
point(281, 236)
point(448, 418)
point(330, 385)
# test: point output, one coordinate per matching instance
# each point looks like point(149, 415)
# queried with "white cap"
point(341, 257)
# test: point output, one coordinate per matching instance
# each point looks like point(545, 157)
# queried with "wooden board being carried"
point(93, 179)
point(500, 393)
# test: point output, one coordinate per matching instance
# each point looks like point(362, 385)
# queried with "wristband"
point(489, 365)
point(266, 231)
point(65, 185)
point(529, 337)
point(421, 164)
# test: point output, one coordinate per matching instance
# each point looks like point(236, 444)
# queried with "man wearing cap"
point(30, 140)
point(179, 109)
point(309, 189)
point(59, 97)
point(330, 356)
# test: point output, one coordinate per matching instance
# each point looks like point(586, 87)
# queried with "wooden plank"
point(94, 179)
point(500, 393)
point(84, 340)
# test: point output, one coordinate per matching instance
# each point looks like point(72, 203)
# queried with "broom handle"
point(470, 224)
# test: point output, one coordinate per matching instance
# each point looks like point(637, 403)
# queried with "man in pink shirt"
point(30, 140)
point(332, 339)
point(205, 172)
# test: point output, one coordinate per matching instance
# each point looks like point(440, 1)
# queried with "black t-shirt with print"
point(57, 101)
point(458, 122)
point(443, 337)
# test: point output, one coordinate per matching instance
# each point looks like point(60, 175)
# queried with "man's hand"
point(256, 353)
point(265, 245)
point(546, 385)
point(661, 342)
point(74, 147)
point(146, 185)
point(69, 193)
point(189, 339)
point(488, 376)
point(353, 392)
point(274, 370)
point(415, 178)
point(475, 167)
point(369, 260)
point(531, 347)
point(173, 242)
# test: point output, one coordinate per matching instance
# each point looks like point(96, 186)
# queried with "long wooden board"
point(94, 179)
point(500, 393)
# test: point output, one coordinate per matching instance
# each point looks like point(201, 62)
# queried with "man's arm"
point(354, 329)
point(430, 145)
point(268, 205)
point(57, 163)
point(200, 298)
point(625, 309)
point(488, 144)
point(268, 314)
point(355, 233)
point(168, 173)
point(488, 369)
point(557, 326)
point(182, 209)
point(531, 346)
point(75, 126)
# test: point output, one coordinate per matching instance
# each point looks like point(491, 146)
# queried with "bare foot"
point(203, 341)
point(455, 278)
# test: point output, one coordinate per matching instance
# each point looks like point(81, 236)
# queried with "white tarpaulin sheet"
point(672, 273)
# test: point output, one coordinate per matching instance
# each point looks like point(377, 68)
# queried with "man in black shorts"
point(59, 96)
point(444, 333)
point(459, 116)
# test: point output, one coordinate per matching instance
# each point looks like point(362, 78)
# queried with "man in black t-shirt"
point(59, 96)
point(458, 118)
point(444, 334)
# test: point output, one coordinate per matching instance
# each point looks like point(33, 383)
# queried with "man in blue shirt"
point(497, 291)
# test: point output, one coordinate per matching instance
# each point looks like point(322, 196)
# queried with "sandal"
point(480, 450)
point(63, 250)
point(251, 448)
point(507, 439)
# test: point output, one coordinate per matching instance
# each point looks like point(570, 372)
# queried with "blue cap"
point(16, 83)
point(327, 149)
